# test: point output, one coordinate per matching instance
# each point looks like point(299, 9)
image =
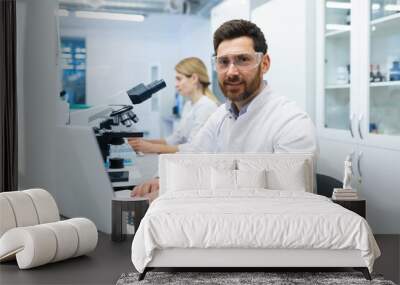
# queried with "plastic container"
point(342, 76)
point(395, 71)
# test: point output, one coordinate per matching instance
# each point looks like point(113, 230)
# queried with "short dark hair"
point(240, 28)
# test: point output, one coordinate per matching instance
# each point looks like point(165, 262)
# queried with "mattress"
point(250, 219)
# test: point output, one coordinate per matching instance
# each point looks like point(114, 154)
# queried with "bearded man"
point(254, 118)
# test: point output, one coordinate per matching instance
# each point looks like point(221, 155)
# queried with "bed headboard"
point(290, 168)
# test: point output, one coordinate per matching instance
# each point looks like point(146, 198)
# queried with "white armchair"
point(31, 230)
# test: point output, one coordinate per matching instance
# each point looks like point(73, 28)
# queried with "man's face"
point(239, 84)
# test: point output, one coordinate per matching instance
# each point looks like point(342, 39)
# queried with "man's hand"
point(140, 145)
point(147, 189)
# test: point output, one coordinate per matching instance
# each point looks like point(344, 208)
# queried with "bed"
point(246, 211)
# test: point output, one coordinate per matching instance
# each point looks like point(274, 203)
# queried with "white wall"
point(229, 10)
point(120, 54)
point(37, 90)
point(289, 30)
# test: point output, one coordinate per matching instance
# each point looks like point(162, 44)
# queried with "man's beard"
point(249, 87)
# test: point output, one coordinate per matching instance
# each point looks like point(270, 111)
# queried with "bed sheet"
point(251, 218)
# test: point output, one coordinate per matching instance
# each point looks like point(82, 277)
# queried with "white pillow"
point(281, 174)
point(183, 177)
point(227, 179)
point(251, 178)
point(293, 180)
point(223, 179)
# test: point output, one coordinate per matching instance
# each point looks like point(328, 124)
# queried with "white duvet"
point(250, 219)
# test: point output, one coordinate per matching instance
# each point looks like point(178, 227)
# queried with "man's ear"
point(265, 63)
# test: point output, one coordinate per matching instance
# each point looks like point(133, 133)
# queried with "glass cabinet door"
point(384, 68)
point(337, 64)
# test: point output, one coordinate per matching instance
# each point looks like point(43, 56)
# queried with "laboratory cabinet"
point(379, 172)
point(358, 100)
point(376, 177)
point(358, 71)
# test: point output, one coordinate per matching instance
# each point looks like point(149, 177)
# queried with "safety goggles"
point(242, 61)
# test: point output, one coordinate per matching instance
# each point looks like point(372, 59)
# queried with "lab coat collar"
point(202, 98)
point(233, 111)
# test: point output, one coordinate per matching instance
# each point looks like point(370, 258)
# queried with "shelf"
point(337, 34)
point(387, 19)
point(374, 84)
point(385, 84)
point(391, 22)
point(338, 86)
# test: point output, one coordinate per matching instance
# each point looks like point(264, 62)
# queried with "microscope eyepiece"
point(142, 92)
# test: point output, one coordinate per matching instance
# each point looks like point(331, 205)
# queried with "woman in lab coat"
point(191, 81)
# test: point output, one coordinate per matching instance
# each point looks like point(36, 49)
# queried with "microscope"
point(117, 126)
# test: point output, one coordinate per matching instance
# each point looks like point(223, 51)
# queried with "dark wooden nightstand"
point(357, 206)
point(137, 205)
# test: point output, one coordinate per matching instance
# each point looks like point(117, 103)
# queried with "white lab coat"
point(270, 124)
point(193, 118)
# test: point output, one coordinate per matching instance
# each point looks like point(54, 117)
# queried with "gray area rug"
point(273, 278)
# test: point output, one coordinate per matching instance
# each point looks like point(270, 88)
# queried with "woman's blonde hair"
point(194, 65)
